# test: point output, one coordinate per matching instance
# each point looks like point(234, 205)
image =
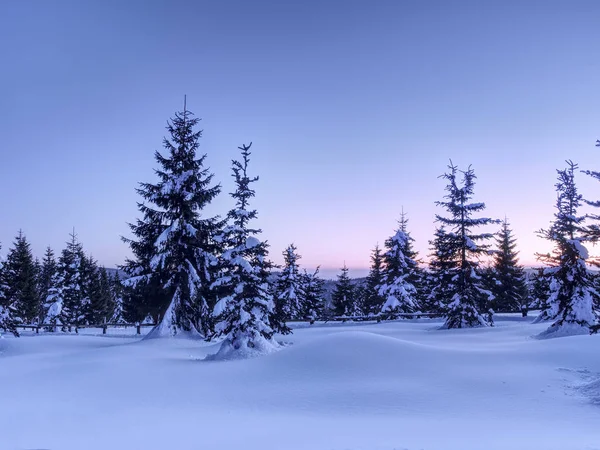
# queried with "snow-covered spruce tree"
point(117, 289)
point(373, 299)
point(571, 299)
point(313, 301)
point(592, 231)
point(68, 304)
point(400, 273)
point(540, 292)
point(90, 289)
point(245, 311)
point(465, 290)
point(439, 277)
point(343, 296)
point(288, 290)
point(47, 282)
point(173, 246)
point(7, 321)
point(509, 289)
point(102, 303)
point(20, 279)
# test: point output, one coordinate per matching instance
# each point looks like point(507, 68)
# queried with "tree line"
point(211, 276)
point(71, 290)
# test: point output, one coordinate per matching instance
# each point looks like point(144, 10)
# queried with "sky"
point(354, 109)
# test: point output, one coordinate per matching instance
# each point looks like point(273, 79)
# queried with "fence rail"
point(77, 327)
point(138, 326)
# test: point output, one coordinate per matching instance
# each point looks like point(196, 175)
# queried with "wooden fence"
point(104, 326)
point(138, 326)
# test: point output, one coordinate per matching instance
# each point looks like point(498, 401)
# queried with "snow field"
point(396, 385)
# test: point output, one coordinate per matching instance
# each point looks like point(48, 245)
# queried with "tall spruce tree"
point(117, 290)
point(373, 299)
point(343, 296)
point(509, 288)
point(465, 291)
point(47, 282)
point(102, 303)
point(592, 231)
point(68, 304)
point(400, 273)
point(174, 248)
point(7, 320)
point(313, 301)
point(20, 279)
point(439, 280)
point(245, 312)
point(288, 291)
point(540, 292)
point(571, 299)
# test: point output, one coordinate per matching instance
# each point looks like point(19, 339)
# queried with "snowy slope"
point(400, 385)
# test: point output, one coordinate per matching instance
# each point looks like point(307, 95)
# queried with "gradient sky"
point(354, 109)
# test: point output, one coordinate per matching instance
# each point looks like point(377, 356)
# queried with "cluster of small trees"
point(468, 279)
point(72, 290)
point(211, 276)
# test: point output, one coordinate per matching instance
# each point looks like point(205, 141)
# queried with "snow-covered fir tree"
point(509, 287)
point(440, 276)
point(288, 291)
point(102, 302)
point(20, 279)
point(592, 230)
point(90, 289)
point(245, 311)
point(465, 290)
point(47, 282)
point(400, 273)
point(571, 298)
point(373, 299)
point(540, 292)
point(343, 296)
point(313, 300)
point(117, 289)
point(173, 246)
point(7, 320)
point(68, 305)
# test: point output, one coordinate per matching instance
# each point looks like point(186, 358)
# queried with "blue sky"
point(354, 109)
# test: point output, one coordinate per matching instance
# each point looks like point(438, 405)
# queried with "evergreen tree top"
point(458, 200)
point(567, 229)
point(244, 192)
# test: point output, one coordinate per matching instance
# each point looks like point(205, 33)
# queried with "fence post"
point(138, 328)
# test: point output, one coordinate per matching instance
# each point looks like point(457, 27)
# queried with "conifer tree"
point(90, 290)
point(102, 303)
point(400, 273)
point(342, 297)
point(68, 305)
point(245, 311)
point(117, 290)
point(313, 301)
point(20, 279)
point(509, 288)
point(540, 292)
point(288, 291)
point(7, 320)
point(439, 279)
point(373, 299)
point(174, 248)
point(465, 290)
point(571, 299)
point(48, 282)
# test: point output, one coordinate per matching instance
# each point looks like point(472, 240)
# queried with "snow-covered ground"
point(389, 386)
